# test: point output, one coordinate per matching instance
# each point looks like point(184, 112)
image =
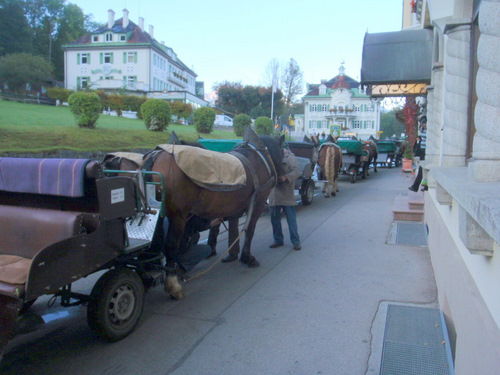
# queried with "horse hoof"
point(250, 261)
point(173, 288)
point(212, 254)
point(229, 258)
point(334, 193)
point(327, 195)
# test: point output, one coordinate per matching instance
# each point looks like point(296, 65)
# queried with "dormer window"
point(95, 38)
point(109, 37)
point(123, 38)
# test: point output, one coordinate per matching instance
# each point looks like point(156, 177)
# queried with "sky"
point(235, 40)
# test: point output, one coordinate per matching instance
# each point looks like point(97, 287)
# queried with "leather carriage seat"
point(25, 231)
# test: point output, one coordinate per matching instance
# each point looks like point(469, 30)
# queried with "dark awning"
point(397, 58)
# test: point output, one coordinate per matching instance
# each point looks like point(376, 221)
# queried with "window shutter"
point(135, 78)
point(124, 57)
point(78, 83)
point(111, 57)
point(101, 78)
point(135, 57)
point(100, 58)
point(78, 59)
point(88, 58)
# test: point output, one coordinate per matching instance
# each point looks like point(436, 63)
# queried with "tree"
point(15, 33)
point(292, 82)
point(86, 107)
point(156, 114)
point(204, 118)
point(240, 123)
point(18, 69)
point(229, 96)
point(181, 110)
point(264, 126)
point(70, 26)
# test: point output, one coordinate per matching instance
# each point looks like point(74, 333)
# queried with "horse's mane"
point(273, 146)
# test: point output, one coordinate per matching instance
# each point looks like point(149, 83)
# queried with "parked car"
point(223, 120)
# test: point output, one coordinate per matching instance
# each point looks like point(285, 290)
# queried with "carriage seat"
point(25, 231)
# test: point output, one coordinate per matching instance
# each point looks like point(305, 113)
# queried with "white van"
point(223, 120)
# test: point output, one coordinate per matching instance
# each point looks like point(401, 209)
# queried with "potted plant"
point(407, 159)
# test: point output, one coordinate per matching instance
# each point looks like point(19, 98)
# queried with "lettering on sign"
point(117, 195)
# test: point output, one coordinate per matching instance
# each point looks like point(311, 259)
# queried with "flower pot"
point(407, 165)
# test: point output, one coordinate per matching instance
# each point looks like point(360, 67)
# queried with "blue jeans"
point(291, 219)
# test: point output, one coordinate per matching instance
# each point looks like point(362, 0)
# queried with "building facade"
point(122, 56)
point(462, 205)
point(339, 107)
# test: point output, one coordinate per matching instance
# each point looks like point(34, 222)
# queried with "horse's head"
point(330, 139)
point(273, 145)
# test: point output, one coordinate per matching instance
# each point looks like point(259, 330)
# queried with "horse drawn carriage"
point(307, 157)
point(62, 220)
point(387, 153)
point(354, 158)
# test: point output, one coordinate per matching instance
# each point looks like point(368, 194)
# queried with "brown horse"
point(330, 164)
point(261, 159)
point(130, 161)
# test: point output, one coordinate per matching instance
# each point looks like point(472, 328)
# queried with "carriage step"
point(404, 212)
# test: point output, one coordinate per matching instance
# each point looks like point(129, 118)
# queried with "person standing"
point(282, 199)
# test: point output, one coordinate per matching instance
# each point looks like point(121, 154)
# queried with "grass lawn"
point(37, 128)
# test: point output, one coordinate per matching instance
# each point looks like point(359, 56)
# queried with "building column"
point(434, 117)
point(485, 165)
point(456, 85)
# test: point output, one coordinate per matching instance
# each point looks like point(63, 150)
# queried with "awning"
point(397, 63)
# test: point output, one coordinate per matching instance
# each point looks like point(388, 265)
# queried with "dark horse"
point(371, 148)
point(261, 158)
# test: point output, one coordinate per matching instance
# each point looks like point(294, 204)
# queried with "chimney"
point(125, 18)
point(141, 23)
point(151, 31)
point(111, 18)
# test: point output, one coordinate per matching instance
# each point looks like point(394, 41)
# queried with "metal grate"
point(411, 234)
point(414, 342)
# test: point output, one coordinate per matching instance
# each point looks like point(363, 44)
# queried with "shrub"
point(86, 106)
point(204, 118)
point(240, 123)
point(156, 114)
point(133, 103)
point(115, 102)
point(264, 126)
point(104, 99)
point(58, 93)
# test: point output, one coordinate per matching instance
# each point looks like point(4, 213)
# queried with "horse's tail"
point(330, 165)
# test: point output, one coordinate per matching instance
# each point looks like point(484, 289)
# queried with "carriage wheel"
point(308, 195)
point(116, 304)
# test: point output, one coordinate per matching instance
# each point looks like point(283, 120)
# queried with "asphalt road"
point(314, 311)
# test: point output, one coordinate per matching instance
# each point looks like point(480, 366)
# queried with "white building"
point(339, 107)
point(123, 56)
point(462, 163)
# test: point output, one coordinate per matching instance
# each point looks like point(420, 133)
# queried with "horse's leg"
point(326, 189)
point(375, 163)
point(246, 257)
point(212, 239)
point(233, 233)
point(175, 232)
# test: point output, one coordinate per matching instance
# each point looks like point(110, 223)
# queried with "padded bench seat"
point(24, 232)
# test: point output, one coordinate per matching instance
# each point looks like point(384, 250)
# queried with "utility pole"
point(275, 84)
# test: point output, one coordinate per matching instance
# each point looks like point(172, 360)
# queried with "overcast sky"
point(235, 40)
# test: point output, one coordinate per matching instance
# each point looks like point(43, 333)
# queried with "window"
point(123, 38)
point(95, 38)
point(82, 82)
point(130, 81)
point(85, 58)
point(108, 58)
point(108, 37)
point(324, 108)
point(357, 125)
point(357, 108)
point(313, 108)
point(129, 57)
